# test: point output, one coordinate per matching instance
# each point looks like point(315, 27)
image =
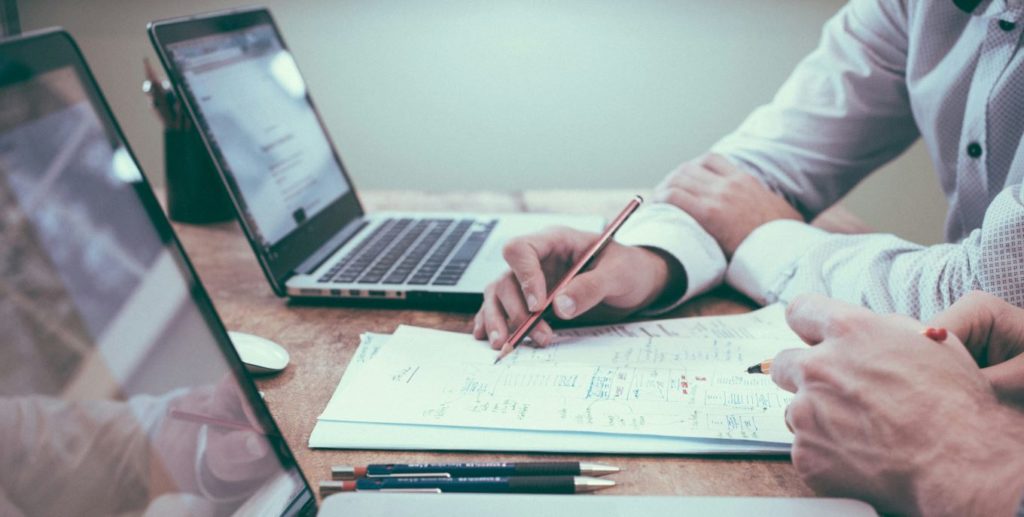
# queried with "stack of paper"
point(670, 386)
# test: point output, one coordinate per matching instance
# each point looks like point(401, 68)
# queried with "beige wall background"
point(503, 94)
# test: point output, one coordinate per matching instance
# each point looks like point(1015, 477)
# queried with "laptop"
point(294, 198)
point(120, 392)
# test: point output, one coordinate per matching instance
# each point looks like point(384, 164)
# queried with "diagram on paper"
point(664, 386)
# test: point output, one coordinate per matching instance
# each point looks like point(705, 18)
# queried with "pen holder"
point(195, 193)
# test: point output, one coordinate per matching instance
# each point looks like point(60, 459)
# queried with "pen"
point(492, 485)
point(542, 468)
point(592, 252)
point(196, 418)
point(937, 334)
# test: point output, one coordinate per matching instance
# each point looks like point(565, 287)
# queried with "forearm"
point(781, 260)
point(92, 453)
point(842, 113)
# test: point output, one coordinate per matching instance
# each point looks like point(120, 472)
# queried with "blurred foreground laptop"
point(120, 393)
point(291, 192)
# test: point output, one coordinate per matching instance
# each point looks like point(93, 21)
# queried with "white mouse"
point(260, 355)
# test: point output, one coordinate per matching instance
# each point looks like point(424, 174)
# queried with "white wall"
point(503, 94)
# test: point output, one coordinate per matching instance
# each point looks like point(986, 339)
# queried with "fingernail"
point(531, 302)
point(565, 305)
point(494, 336)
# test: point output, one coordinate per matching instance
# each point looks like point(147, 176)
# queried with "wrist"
point(668, 278)
point(986, 477)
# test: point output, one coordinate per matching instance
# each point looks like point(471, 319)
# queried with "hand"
point(231, 459)
point(883, 414)
point(727, 202)
point(993, 332)
point(236, 456)
point(622, 280)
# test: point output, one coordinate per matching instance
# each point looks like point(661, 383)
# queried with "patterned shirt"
point(885, 73)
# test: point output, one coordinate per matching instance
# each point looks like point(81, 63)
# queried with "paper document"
point(643, 383)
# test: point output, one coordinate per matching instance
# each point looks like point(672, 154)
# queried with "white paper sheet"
point(424, 389)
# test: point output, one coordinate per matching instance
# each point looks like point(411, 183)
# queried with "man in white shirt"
point(885, 73)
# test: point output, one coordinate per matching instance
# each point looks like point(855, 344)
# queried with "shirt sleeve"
point(843, 112)
point(665, 227)
point(783, 259)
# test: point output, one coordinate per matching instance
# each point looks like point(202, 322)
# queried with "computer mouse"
point(260, 355)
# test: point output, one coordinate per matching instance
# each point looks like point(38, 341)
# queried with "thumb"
point(582, 294)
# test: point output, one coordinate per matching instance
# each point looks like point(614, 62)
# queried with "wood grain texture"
point(321, 341)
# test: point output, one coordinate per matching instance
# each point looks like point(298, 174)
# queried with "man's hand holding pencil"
point(618, 281)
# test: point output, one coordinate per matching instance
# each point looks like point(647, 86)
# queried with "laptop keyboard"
point(412, 251)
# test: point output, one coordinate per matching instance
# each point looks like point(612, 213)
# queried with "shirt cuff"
point(667, 228)
point(767, 259)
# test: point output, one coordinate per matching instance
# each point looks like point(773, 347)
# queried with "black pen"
point(541, 468)
point(490, 485)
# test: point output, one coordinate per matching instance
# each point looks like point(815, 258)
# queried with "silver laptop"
point(292, 194)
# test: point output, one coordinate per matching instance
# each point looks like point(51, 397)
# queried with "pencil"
point(196, 418)
point(764, 367)
point(937, 334)
point(592, 252)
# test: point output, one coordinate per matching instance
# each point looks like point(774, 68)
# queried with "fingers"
point(787, 368)
point(991, 329)
point(525, 257)
point(1007, 379)
point(719, 165)
point(815, 318)
point(693, 178)
point(503, 310)
point(237, 455)
point(493, 317)
point(684, 199)
point(970, 319)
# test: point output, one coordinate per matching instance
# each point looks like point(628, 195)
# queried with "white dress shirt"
point(885, 73)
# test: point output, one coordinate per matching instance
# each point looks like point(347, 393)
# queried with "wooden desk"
point(321, 341)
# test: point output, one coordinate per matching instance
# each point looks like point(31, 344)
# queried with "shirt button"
point(974, 149)
point(1007, 25)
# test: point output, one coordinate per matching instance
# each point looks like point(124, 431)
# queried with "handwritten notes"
point(674, 378)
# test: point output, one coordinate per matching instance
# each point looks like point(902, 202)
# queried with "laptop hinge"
point(332, 245)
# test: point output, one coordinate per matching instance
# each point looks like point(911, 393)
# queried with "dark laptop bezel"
point(282, 260)
point(50, 49)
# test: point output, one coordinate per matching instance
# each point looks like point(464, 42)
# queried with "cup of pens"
point(195, 193)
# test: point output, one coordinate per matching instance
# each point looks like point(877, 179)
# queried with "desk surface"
point(321, 341)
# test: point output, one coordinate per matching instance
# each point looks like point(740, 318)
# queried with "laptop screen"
point(256, 116)
point(252, 107)
point(119, 392)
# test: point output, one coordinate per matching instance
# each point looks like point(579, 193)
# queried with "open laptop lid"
point(246, 95)
point(119, 390)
